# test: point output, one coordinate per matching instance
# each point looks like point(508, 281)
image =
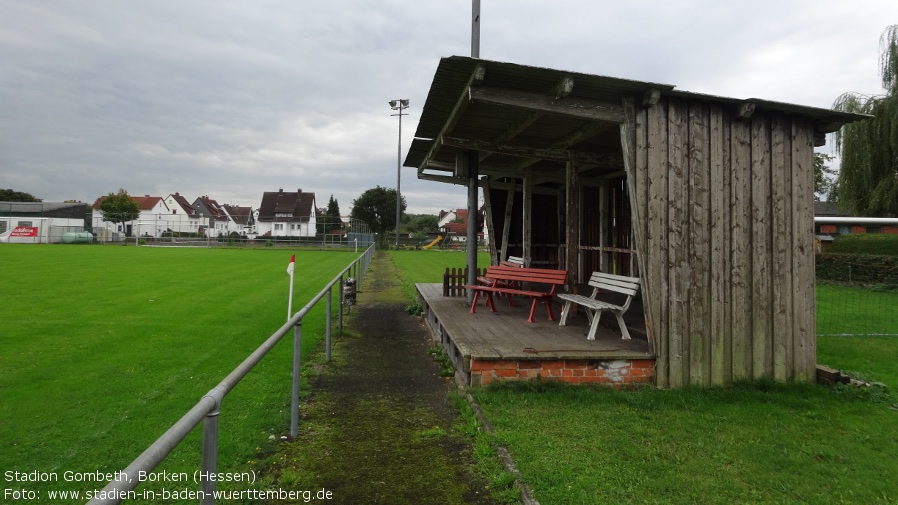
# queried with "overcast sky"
point(231, 99)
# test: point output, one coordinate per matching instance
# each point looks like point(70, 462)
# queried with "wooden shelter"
point(709, 200)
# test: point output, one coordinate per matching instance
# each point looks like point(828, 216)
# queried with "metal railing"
point(208, 408)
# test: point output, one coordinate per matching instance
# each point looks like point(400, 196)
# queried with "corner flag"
point(290, 273)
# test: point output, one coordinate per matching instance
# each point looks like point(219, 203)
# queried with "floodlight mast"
point(399, 105)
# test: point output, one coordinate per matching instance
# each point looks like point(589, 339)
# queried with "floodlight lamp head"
point(404, 103)
point(393, 104)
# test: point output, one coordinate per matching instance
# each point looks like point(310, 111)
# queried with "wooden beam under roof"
point(582, 108)
point(553, 154)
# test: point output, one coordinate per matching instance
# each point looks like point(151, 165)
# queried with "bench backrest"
point(521, 274)
point(512, 261)
point(618, 283)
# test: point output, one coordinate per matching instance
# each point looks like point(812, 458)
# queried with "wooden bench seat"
point(594, 308)
point(523, 282)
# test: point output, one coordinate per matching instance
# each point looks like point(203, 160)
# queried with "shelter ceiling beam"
point(582, 108)
point(446, 179)
point(516, 186)
point(537, 153)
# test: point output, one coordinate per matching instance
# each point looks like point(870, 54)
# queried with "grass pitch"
point(105, 347)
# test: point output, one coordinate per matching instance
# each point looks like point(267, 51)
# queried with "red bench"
point(505, 279)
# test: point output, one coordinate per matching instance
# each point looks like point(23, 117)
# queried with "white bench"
point(513, 261)
point(594, 308)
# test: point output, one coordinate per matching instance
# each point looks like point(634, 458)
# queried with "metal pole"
point(210, 457)
point(327, 331)
point(294, 403)
point(342, 301)
point(471, 238)
point(398, 174)
point(475, 29)
point(209, 462)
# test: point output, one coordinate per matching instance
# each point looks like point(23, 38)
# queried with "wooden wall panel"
point(698, 228)
point(655, 285)
point(721, 344)
point(781, 248)
point(740, 249)
point(804, 324)
point(760, 246)
point(678, 260)
point(724, 227)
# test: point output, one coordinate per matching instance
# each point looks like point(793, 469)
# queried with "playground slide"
point(428, 246)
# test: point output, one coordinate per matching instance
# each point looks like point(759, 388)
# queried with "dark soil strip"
point(379, 428)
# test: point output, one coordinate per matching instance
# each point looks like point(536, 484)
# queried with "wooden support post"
point(488, 221)
point(506, 224)
point(572, 226)
point(528, 216)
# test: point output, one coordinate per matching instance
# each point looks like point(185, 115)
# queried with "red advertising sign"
point(23, 231)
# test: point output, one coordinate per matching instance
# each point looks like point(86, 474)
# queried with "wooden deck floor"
point(507, 336)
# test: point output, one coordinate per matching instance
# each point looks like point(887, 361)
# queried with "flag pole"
point(290, 298)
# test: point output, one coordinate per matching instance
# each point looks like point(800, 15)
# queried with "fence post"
point(342, 304)
point(209, 461)
point(294, 403)
point(327, 331)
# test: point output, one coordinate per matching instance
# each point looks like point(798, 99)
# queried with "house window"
point(25, 223)
point(2, 226)
point(874, 229)
point(278, 227)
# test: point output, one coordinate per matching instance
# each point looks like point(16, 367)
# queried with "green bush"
point(863, 268)
point(866, 243)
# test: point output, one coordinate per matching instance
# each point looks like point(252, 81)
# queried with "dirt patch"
point(379, 426)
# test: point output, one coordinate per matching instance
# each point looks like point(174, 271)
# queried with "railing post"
point(342, 303)
point(209, 462)
point(327, 330)
point(294, 403)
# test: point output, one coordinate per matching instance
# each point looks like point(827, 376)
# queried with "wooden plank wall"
point(723, 219)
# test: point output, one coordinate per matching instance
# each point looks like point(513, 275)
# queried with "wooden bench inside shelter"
point(594, 308)
point(536, 283)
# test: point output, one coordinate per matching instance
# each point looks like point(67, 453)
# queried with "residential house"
point(244, 219)
point(287, 214)
point(184, 218)
point(153, 220)
point(454, 224)
point(220, 222)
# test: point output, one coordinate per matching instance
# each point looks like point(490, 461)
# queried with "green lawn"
point(753, 443)
point(105, 347)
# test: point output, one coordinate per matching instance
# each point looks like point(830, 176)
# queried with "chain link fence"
point(857, 295)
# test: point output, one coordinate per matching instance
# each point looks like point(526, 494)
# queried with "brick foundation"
point(575, 371)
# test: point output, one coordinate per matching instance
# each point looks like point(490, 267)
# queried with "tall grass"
point(105, 347)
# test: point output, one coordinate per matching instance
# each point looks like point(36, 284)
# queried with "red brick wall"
point(580, 371)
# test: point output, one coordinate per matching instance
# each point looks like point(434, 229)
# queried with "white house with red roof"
point(158, 216)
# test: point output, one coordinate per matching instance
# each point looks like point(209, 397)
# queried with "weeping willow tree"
point(868, 180)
